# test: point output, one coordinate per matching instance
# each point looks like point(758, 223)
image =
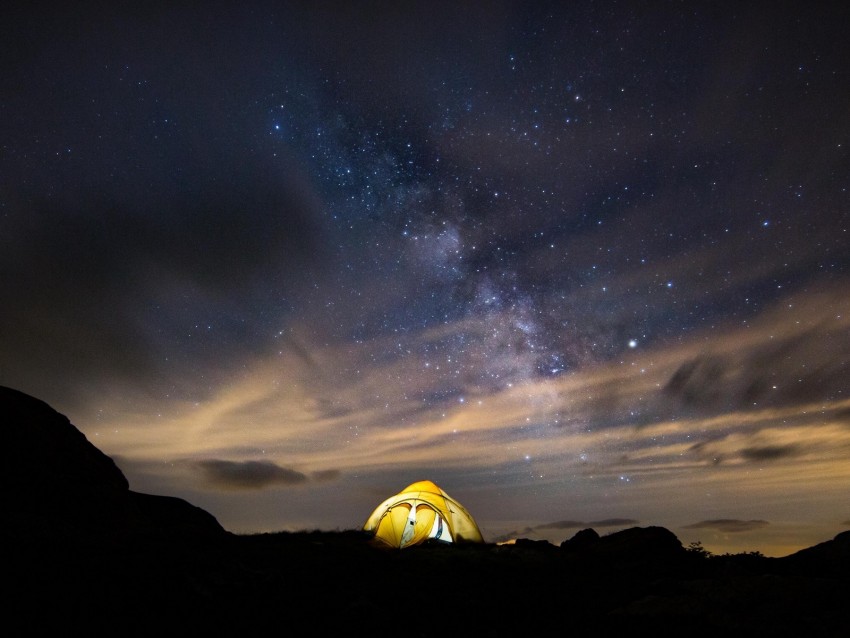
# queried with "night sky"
point(581, 264)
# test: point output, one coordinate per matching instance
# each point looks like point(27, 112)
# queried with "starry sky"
point(581, 264)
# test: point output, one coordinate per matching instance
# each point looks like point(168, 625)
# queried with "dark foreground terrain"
point(83, 554)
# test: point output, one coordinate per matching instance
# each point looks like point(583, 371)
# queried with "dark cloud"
point(802, 367)
point(706, 451)
point(729, 525)
point(159, 223)
point(769, 452)
point(562, 525)
point(709, 451)
point(109, 292)
point(613, 522)
point(248, 475)
point(698, 381)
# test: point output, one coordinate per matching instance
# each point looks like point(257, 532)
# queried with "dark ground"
point(319, 583)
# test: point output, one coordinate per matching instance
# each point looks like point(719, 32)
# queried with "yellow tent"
point(419, 512)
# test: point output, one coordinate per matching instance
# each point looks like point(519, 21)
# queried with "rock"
point(581, 541)
point(42, 451)
point(58, 484)
point(648, 542)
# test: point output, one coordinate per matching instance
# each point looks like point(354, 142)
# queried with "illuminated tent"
point(419, 512)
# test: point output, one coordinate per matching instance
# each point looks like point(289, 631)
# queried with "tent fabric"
point(421, 511)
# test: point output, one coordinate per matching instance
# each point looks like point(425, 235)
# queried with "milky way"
point(580, 264)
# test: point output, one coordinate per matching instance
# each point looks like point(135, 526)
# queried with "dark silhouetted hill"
point(58, 482)
point(85, 554)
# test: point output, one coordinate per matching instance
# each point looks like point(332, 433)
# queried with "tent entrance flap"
point(440, 530)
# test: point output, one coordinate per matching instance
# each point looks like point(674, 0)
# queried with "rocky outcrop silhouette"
point(57, 482)
point(636, 543)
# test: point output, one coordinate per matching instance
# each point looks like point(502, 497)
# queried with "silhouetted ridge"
point(583, 539)
point(634, 543)
point(830, 557)
point(43, 451)
point(58, 483)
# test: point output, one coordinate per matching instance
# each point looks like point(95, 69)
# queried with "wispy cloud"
point(731, 526)
point(657, 427)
